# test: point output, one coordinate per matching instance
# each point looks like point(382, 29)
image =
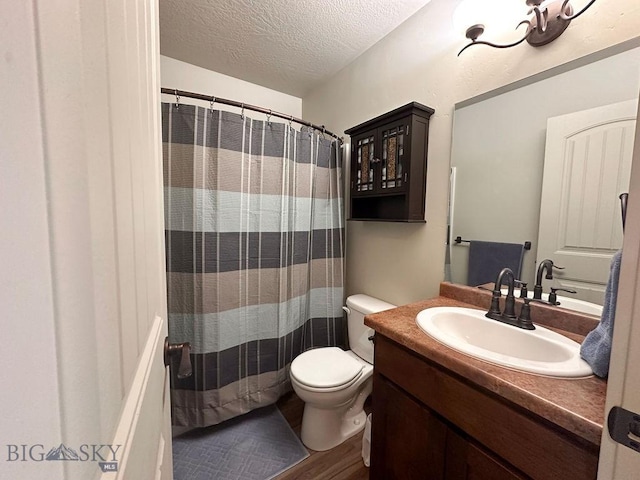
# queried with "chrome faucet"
point(508, 315)
point(548, 266)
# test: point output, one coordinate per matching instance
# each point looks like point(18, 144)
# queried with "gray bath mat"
point(255, 446)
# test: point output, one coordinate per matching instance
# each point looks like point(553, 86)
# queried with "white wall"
point(417, 61)
point(184, 76)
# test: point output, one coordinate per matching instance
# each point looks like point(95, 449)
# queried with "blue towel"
point(596, 348)
point(486, 259)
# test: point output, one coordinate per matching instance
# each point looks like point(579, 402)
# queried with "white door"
point(587, 165)
point(83, 296)
point(618, 461)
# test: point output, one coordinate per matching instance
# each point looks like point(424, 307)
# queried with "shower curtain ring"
point(290, 121)
point(213, 100)
point(177, 98)
point(269, 118)
point(323, 133)
point(242, 113)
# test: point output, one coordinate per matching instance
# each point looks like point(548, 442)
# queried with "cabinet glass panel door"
point(364, 174)
point(393, 171)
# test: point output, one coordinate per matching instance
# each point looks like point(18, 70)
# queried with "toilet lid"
point(325, 367)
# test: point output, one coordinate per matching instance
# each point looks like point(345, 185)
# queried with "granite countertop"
point(576, 405)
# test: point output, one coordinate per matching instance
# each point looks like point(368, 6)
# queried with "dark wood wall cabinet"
point(389, 165)
point(429, 423)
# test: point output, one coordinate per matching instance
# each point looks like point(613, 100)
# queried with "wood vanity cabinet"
point(389, 165)
point(429, 423)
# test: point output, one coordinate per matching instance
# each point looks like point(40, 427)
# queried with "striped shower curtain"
point(255, 242)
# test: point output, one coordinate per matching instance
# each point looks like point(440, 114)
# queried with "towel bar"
point(458, 240)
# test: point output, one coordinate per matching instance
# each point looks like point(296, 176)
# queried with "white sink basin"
point(539, 351)
point(566, 302)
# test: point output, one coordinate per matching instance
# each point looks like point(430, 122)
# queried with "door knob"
point(184, 349)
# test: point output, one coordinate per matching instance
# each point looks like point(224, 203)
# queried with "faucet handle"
point(524, 319)
point(553, 298)
point(523, 288)
point(494, 309)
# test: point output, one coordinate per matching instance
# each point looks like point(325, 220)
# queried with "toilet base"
point(323, 429)
point(333, 415)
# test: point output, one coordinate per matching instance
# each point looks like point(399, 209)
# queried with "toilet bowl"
point(335, 383)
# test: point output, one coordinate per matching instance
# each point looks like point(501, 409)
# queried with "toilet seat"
point(326, 369)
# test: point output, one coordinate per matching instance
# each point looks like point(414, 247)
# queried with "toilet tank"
point(357, 307)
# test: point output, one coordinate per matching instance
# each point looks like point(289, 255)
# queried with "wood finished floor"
point(343, 462)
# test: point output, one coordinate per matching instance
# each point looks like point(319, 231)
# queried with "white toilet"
point(334, 383)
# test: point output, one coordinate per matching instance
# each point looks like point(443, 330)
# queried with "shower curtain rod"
point(233, 103)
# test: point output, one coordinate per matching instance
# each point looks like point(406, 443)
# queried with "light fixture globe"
point(474, 31)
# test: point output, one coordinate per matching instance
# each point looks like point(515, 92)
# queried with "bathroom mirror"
point(498, 152)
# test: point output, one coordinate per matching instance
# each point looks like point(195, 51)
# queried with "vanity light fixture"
point(549, 19)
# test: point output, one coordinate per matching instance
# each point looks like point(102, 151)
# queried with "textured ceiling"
point(287, 45)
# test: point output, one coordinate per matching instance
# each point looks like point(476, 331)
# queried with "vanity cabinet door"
point(410, 442)
point(407, 440)
point(467, 461)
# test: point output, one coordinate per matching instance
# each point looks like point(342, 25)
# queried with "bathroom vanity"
point(439, 414)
